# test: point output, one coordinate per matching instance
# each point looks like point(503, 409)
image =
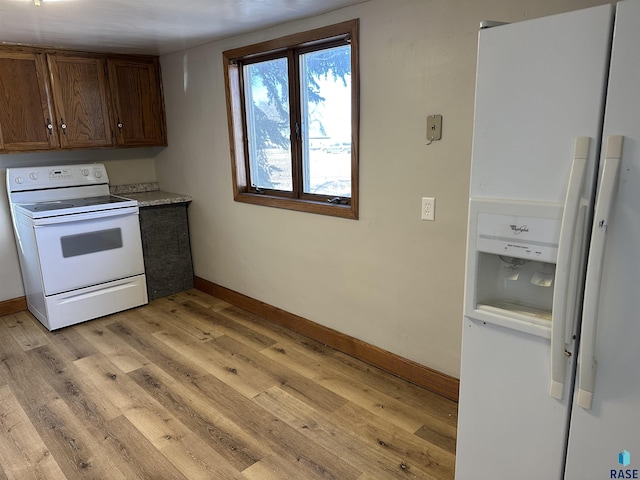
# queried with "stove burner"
point(51, 206)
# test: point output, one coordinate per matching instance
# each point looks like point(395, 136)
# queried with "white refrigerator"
point(550, 372)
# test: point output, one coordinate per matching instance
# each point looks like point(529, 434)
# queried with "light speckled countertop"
point(148, 194)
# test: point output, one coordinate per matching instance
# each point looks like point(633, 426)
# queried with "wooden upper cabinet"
point(138, 104)
point(25, 109)
point(79, 86)
point(52, 99)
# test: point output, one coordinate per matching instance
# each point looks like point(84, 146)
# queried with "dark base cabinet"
point(166, 248)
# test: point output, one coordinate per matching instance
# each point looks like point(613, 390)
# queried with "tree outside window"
point(293, 117)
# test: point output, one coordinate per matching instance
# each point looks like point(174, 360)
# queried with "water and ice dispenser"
point(511, 264)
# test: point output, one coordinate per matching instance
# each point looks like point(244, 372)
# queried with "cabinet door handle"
point(119, 124)
point(49, 127)
point(63, 126)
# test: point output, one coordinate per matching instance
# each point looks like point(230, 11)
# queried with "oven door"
point(87, 249)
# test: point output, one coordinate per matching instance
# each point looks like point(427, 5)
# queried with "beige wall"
point(389, 278)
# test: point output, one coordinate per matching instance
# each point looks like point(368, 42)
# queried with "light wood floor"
point(190, 387)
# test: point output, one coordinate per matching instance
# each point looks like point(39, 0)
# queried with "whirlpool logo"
point(624, 459)
point(518, 229)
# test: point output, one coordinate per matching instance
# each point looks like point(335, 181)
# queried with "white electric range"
point(79, 247)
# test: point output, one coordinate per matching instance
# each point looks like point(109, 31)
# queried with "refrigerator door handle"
point(606, 193)
point(579, 247)
point(563, 294)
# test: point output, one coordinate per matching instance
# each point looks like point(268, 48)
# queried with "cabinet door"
point(138, 103)
point(25, 110)
point(79, 88)
point(166, 248)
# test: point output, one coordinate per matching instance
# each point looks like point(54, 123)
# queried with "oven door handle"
point(78, 217)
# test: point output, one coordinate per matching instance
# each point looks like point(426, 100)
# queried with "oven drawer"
point(84, 252)
point(92, 302)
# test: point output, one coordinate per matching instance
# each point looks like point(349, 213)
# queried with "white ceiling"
point(146, 26)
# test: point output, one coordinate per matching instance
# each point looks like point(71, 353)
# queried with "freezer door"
point(611, 426)
point(540, 84)
point(508, 424)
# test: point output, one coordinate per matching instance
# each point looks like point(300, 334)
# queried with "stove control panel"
point(36, 178)
point(62, 174)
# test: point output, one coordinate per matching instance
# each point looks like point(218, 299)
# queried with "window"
point(293, 121)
